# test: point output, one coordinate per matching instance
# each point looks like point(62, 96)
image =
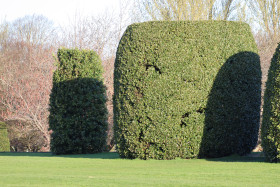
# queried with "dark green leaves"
point(164, 73)
point(270, 131)
point(78, 115)
point(4, 140)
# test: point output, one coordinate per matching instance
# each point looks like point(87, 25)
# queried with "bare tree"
point(26, 75)
point(266, 21)
point(4, 34)
point(227, 8)
point(33, 30)
point(89, 33)
point(267, 16)
point(26, 82)
point(187, 9)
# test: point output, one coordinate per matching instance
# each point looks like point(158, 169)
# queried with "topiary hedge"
point(4, 140)
point(78, 115)
point(232, 114)
point(164, 73)
point(270, 131)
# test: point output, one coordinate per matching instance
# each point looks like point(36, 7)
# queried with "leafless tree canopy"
point(266, 14)
point(35, 30)
point(187, 9)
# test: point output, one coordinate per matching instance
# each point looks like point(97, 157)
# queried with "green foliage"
point(270, 131)
point(164, 73)
point(78, 114)
point(4, 140)
point(233, 108)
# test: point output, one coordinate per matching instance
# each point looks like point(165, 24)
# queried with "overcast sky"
point(59, 11)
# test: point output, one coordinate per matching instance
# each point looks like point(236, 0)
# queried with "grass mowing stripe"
point(35, 169)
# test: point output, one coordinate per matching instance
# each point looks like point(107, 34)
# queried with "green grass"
point(107, 169)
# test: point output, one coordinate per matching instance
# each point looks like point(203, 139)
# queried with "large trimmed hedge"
point(270, 131)
point(233, 108)
point(78, 114)
point(164, 73)
point(4, 140)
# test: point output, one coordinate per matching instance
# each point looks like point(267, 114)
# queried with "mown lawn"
point(107, 169)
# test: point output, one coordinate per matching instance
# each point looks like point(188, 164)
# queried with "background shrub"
point(24, 137)
point(270, 131)
point(78, 115)
point(164, 72)
point(4, 140)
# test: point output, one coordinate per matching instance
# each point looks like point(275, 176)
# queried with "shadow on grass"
point(49, 154)
point(252, 157)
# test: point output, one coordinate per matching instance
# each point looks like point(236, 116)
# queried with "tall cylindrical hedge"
point(232, 114)
point(270, 131)
point(4, 139)
point(78, 114)
point(164, 73)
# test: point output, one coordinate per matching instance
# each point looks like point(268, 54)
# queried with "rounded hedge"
point(270, 131)
point(4, 139)
point(164, 73)
point(78, 114)
point(232, 114)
